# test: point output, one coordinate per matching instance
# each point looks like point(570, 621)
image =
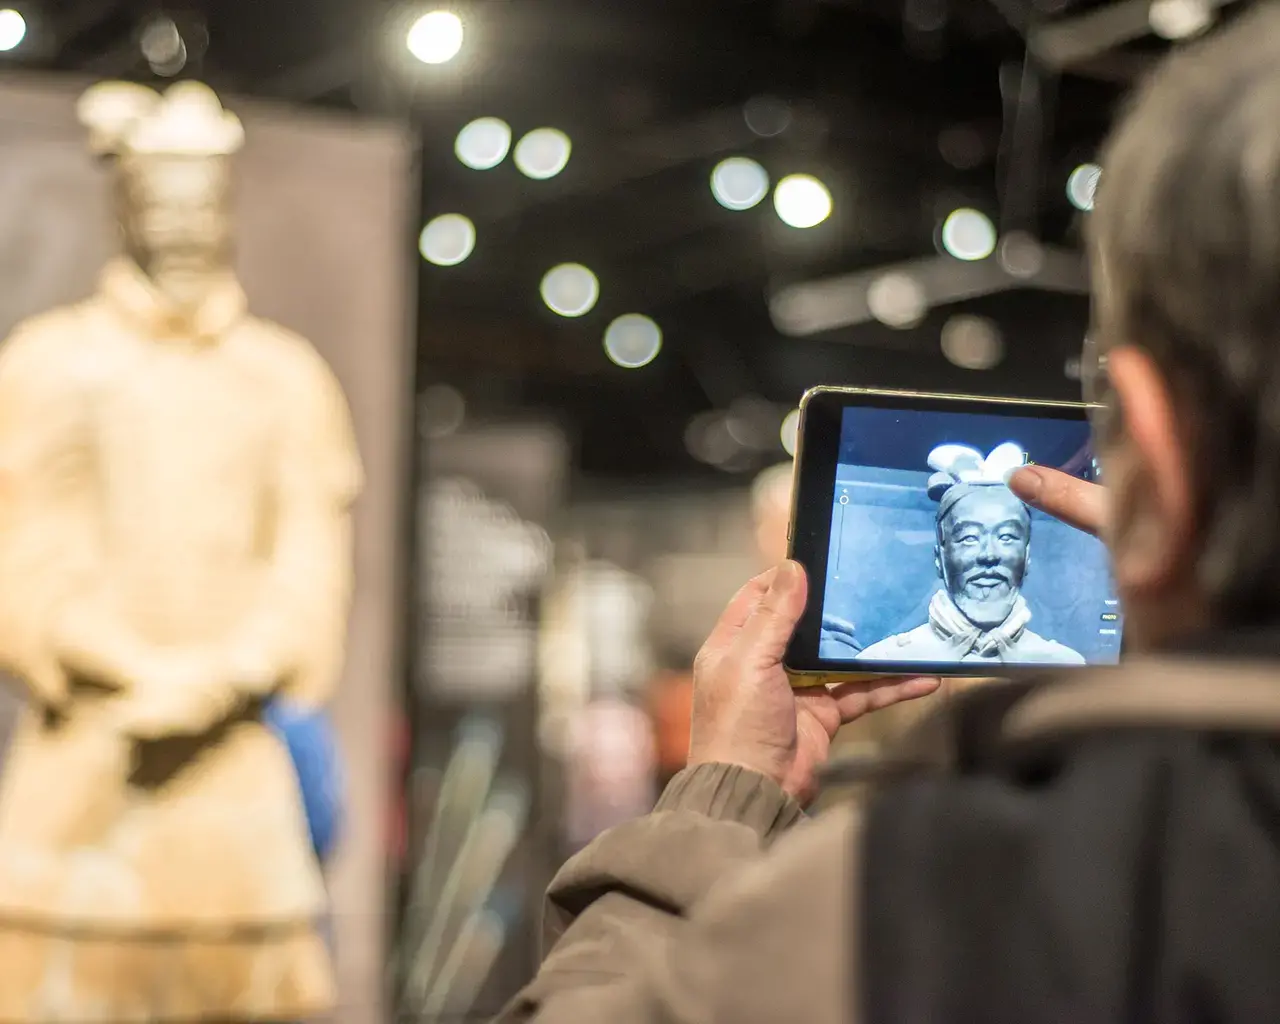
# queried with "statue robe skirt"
point(152, 479)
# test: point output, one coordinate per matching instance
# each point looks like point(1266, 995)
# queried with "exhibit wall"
point(322, 206)
point(477, 857)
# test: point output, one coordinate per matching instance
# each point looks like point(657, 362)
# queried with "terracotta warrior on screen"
point(982, 555)
point(176, 479)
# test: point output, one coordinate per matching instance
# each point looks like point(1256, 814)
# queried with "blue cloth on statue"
point(313, 746)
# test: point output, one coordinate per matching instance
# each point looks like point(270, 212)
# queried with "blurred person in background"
point(671, 708)
point(1098, 847)
point(771, 511)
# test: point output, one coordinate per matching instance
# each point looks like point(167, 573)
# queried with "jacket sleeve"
point(684, 916)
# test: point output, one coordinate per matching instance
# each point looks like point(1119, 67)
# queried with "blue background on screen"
point(881, 573)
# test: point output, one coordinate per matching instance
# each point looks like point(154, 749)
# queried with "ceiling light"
point(13, 29)
point(972, 342)
point(1021, 254)
point(1179, 19)
point(447, 240)
point(633, 341)
point(441, 411)
point(897, 300)
point(790, 432)
point(163, 47)
point(436, 37)
point(767, 116)
point(543, 153)
point(1082, 184)
point(570, 289)
point(968, 235)
point(484, 143)
point(753, 421)
point(802, 201)
point(709, 440)
point(739, 183)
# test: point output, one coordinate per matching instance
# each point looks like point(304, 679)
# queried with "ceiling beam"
point(83, 16)
point(813, 307)
point(316, 78)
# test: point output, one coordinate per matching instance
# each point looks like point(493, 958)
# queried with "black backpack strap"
point(1099, 846)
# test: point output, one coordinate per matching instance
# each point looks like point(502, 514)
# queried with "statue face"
point(175, 212)
point(983, 547)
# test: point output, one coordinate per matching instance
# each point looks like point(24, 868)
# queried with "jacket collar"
point(136, 300)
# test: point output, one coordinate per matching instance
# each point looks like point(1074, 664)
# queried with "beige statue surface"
point(176, 478)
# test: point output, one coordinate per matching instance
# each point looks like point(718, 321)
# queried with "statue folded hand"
point(178, 693)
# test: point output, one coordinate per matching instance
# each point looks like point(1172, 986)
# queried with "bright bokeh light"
point(790, 433)
point(13, 29)
point(484, 143)
point(709, 440)
point(570, 289)
point(447, 240)
point(802, 201)
point(972, 342)
point(897, 300)
point(1021, 254)
point(739, 183)
point(968, 235)
point(1082, 186)
point(543, 153)
point(633, 341)
point(163, 47)
point(1179, 19)
point(436, 37)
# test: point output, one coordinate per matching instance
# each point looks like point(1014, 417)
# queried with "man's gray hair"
point(1185, 245)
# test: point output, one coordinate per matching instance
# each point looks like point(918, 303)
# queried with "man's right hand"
point(1076, 502)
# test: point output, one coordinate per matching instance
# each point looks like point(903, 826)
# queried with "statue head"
point(983, 531)
point(172, 158)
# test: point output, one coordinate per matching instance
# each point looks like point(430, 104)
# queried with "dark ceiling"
point(905, 108)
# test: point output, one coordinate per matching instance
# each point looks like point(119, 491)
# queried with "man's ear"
point(937, 562)
point(1148, 475)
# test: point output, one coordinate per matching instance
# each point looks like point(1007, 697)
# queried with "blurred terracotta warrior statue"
point(175, 484)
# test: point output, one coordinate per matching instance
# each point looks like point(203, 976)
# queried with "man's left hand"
point(746, 712)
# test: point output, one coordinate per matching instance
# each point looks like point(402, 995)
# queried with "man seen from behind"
point(1099, 847)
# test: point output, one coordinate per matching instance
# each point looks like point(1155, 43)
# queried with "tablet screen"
point(932, 559)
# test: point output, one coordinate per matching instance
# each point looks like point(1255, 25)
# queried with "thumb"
point(768, 628)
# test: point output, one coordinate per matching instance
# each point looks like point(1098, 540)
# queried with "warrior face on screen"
point(982, 551)
point(984, 545)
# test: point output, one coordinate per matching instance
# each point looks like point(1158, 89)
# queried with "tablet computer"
point(920, 559)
